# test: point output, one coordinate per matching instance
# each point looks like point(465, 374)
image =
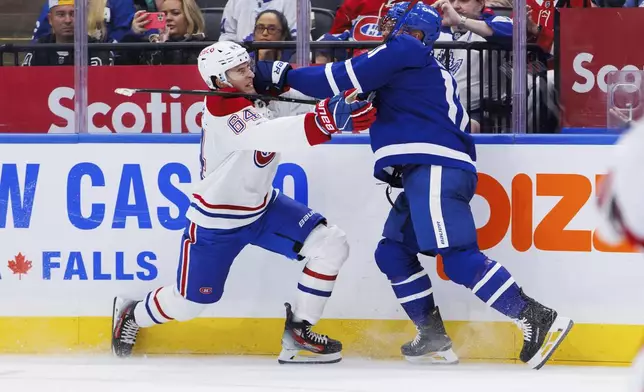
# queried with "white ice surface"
point(254, 374)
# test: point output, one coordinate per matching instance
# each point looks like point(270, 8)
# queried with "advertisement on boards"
point(588, 55)
point(85, 222)
point(41, 100)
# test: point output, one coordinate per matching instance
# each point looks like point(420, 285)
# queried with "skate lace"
point(316, 337)
point(417, 338)
point(526, 327)
point(128, 334)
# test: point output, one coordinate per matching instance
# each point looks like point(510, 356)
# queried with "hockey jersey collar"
point(220, 106)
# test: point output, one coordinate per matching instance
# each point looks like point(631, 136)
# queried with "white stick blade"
point(128, 92)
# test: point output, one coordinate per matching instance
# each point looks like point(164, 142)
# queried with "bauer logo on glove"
point(344, 112)
point(270, 77)
point(323, 117)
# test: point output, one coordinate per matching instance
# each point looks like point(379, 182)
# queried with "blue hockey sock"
point(415, 296)
point(496, 287)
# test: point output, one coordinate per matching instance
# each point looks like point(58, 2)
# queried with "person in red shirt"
point(541, 23)
point(355, 20)
point(361, 17)
point(541, 19)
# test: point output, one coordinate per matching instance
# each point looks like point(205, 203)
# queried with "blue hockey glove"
point(270, 77)
point(344, 113)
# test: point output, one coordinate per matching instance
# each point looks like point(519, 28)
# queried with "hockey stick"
point(128, 92)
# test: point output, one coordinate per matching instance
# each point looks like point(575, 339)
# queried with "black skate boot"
point(299, 337)
point(543, 331)
point(124, 328)
point(431, 345)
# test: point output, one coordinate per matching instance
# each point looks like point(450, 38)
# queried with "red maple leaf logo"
point(20, 265)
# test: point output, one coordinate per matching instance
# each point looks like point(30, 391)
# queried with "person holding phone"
point(177, 21)
point(145, 21)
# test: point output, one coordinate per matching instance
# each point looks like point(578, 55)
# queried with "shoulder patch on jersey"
point(220, 106)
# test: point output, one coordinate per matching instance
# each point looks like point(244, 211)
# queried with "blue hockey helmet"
point(394, 13)
point(398, 9)
point(423, 18)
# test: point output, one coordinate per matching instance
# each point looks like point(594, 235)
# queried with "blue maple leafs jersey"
point(420, 118)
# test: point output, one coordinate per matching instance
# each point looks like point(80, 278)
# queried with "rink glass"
point(55, 99)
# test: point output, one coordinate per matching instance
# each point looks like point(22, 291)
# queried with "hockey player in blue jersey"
point(421, 143)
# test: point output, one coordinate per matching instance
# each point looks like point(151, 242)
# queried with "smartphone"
point(157, 20)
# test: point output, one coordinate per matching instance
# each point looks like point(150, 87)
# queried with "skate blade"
point(447, 357)
point(307, 357)
point(117, 307)
point(556, 334)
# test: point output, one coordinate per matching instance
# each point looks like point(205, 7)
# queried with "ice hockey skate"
point(301, 345)
point(124, 327)
point(543, 331)
point(431, 344)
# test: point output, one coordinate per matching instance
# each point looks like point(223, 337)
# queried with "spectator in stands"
point(541, 14)
point(238, 20)
point(61, 19)
point(328, 55)
point(471, 21)
point(271, 25)
point(356, 20)
point(112, 17)
point(541, 23)
point(361, 18)
point(184, 23)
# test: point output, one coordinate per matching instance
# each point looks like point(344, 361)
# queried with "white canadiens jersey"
point(624, 186)
point(240, 148)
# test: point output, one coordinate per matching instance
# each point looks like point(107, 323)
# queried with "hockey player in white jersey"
point(622, 210)
point(620, 196)
point(235, 205)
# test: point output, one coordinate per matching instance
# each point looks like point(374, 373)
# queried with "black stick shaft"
point(227, 94)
